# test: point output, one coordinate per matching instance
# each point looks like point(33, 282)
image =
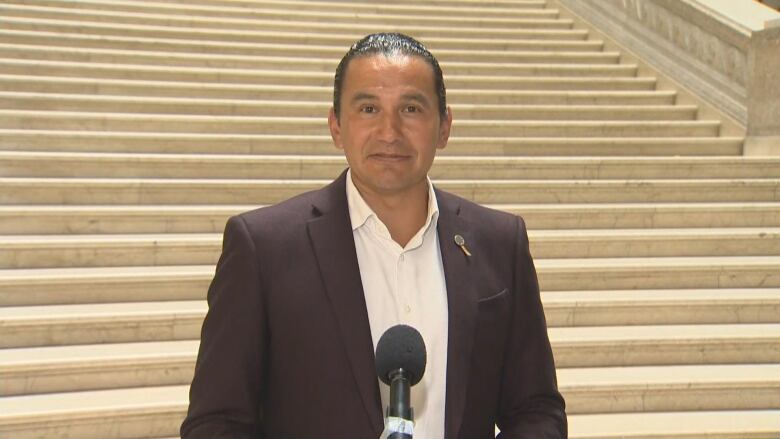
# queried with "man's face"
point(389, 126)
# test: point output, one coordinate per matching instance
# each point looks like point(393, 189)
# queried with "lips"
point(389, 156)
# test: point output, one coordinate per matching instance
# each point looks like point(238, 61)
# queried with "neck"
point(403, 214)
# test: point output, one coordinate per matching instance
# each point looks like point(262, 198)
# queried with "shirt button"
point(402, 258)
point(408, 309)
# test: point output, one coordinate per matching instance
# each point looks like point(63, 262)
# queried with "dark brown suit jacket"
point(286, 349)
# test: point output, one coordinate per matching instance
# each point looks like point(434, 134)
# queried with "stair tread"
point(94, 403)
point(679, 334)
point(60, 357)
point(685, 376)
point(325, 90)
point(675, 424)
point(334, 159)
point(137, 272)
point(113, 312)
point(176, 209)
point(15, 241)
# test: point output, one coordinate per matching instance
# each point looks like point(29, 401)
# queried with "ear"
point(335, 128)
point(444, 130)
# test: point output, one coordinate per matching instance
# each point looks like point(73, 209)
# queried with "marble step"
point(562, 308)
point(530, 40)
point(104, 285)
point(202, 124)
point(154, 283)
point(50, 369)
point(97, 191)
point(522, 17)
point(522, 52)
point(482, 4)
point(63, 325)
point(299, 64)
point(658, 273)
point(119, 219)
point(721, 424)
point(204, 143)
point(308, 64)
point(656, 345)
point(136, 413)
point(670, 388)
point(271, 79)
point(661, 307)
point(158, 412)
point(130, 165)
point(29, 371)
point(530, 29)
point(517, 9)
point(253, 92)
point(275, 108)
point(54, 251)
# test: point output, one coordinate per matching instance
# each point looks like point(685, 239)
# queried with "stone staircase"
point(131, 130)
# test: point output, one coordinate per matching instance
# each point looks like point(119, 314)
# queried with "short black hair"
point(389, 44)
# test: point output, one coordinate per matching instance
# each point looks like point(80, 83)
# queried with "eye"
point(368, 109)
point(411, 109)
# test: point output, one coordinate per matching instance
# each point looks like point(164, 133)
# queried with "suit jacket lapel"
point(330, 233)
point(462, 304)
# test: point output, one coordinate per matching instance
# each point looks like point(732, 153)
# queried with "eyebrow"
point(419, 97)
point(363, 96)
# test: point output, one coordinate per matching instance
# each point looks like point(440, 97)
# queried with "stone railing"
point(727, 52)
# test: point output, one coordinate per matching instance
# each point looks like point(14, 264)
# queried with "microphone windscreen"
point(401, 347)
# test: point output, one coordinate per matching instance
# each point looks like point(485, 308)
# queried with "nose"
point(389, 127)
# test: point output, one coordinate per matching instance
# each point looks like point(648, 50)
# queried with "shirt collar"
point(360, 212)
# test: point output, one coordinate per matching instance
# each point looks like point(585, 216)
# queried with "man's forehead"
point(378, 70)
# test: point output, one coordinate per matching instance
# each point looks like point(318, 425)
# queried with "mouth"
point(389, 157)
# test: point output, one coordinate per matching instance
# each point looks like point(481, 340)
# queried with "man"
point(304, 289)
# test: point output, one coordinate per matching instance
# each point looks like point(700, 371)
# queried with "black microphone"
point(400, 363)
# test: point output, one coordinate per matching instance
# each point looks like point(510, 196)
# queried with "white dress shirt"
point(405, 285)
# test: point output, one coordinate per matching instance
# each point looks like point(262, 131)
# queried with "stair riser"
point(673, 352)
point(20, 140)
point(567, 354)
point(320, 109)
point(107, 330)
point(330, 167)
point(99, 291)
point(517, 10)
point(248, 77)
point(579, 399)
point(530, 41)
point(319, 126)
point(527, 19)
point(529, 30)
point(163, 422)
point(653, 278)
point(62, 191)
point(162, 253)
point(38, 292)
point(595, 314)
point(728, 397)
point(529, 54)
point(250, 93)
point(79, 377)
point(99, 222)
point(309, 65)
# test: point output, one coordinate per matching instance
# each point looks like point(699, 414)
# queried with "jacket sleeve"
point(225, 396)
point(530, 405)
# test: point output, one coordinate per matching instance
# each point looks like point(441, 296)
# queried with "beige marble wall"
point(729, 60)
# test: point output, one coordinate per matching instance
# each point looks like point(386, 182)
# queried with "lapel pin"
point(462, 244)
